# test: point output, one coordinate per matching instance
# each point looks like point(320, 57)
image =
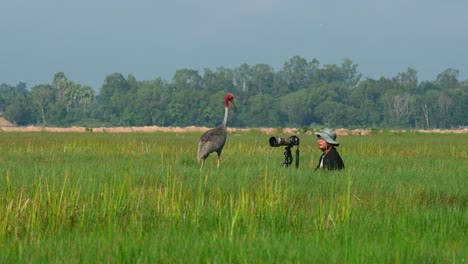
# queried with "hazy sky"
point(91, 39)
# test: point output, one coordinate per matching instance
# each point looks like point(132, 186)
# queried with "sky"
point(149, 39)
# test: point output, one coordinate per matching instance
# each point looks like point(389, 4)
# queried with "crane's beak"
point(233, 105)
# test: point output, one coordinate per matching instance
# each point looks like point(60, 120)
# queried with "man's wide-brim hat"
point(329, 136)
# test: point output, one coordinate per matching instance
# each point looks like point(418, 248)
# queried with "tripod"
point(288, 159)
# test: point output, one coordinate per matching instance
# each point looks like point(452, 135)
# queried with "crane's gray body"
point(212, 141)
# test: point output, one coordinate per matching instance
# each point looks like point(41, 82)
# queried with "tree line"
point(301, 94)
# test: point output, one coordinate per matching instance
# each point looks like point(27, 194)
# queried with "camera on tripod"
point(278, 141)
point(289, 143)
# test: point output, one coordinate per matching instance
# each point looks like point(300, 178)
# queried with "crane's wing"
point(211, 141)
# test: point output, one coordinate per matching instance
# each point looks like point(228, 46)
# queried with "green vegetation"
point(140, 198)
point(301, 94)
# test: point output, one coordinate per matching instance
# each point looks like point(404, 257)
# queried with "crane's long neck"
point(226, 110)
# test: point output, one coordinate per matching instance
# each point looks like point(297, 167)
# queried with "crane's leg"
point(202, 161)
point(219, 160)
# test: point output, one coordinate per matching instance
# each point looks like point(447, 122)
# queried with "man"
point(330, 158)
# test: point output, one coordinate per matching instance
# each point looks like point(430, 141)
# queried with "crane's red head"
point(229, 98)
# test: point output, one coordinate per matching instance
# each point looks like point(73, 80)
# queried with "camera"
point(289, 143)
point(278, 141)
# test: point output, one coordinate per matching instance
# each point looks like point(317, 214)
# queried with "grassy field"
point(141, 198)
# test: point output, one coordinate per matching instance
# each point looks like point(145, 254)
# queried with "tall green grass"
point(141, 198)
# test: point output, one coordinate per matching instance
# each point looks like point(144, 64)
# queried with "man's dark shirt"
point(331, 161)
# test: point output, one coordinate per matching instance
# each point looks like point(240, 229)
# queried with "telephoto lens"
point(278, 141)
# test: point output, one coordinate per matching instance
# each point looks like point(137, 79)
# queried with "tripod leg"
point(297, 157)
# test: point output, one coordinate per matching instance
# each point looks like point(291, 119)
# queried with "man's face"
point(322, 144)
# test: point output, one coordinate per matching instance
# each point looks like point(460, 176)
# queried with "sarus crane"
point(214, 139)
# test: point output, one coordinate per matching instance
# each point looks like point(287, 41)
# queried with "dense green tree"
point(70, 94)
point(349, 74)
point(20, 110)
point(407, 81)
point(458, 112)
point(262, 110)
point(398, 110)
point(243, 81)
point(43, 97)
point(175, 113)
point(150, 103)
point(187, 80)
point(295, 75)
point(444, 103)
point(301, 93)
point(298, 107)
point(366, 104)
point(425, 86)
point(448, 80)
point(262, 79)
point(346, 74)
point(331, 92)
point(59, 81)
point(330, 113)
point(113, 97)
point(425, 109)
point(220, 80)
point(6, 93)
point(85, 99)
point(15, 104)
